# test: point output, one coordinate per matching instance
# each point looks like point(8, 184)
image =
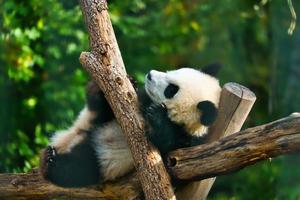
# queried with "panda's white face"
point(181, 91)
point(155, 84)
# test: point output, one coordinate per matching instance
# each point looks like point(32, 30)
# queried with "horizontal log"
point(32, 186)
point(237, 151)
point(195, 163)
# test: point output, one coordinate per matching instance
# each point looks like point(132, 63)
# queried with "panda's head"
point(190, 96)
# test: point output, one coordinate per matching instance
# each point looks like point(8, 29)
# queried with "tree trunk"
point(104, 63)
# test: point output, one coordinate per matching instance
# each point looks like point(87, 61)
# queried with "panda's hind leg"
point(95, 113)
point(70, 159)
point(96, 103)
point(76, 168)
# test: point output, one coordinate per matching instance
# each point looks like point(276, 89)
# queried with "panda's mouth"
point(151, 90)
point(150, 93)
point(153, 98)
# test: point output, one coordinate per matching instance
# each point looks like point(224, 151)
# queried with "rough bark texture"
point(32, 186)
point(220, 157)
point(105, 65)
point(235, 104)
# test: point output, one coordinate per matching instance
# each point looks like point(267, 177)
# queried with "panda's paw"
point(51, 154)
point(154, 115)
point(155, 111)
point(151, 111)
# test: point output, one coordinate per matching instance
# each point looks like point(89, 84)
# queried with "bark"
point(104, 63)
point(32, 186)
point(195, 163)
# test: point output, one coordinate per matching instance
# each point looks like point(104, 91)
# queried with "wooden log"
point(104, 63)
point(32, 186)
point(223, 156)
point(235, 104)
point(238, 150)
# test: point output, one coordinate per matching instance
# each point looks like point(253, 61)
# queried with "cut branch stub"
point(104, 63)
point(235, 104)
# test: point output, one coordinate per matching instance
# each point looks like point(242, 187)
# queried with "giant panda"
point(178, 107)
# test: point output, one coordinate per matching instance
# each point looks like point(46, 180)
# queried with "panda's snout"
point(153, 75)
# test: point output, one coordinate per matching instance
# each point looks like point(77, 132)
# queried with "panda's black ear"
point(212, 69)
point(208, 111)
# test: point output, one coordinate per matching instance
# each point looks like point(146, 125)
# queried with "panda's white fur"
point(113, 155)
point(113, 151)
point(65, 140)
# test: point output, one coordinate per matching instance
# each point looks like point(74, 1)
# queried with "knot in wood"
point(119, 81)
point(172, 161)
point(129, 95)
point(100, 5)
point(101, 47)
point(15, 182)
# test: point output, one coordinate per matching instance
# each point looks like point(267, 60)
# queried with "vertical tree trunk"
point(105, 65)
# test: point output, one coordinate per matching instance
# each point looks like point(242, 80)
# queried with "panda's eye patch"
point(171, 90)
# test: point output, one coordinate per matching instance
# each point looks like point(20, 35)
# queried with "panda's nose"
point(149, 77)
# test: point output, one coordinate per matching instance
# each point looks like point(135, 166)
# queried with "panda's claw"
point(47, 160)
point(51, 153)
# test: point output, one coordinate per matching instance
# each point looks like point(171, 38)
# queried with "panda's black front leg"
point(97, 103)
point(160, 128)
point(76, 168)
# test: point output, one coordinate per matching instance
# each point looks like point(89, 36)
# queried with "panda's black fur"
point(161, 131)
point(78, 162)
point(75, 169)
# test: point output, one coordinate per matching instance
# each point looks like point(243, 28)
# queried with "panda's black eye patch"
point(171, 90)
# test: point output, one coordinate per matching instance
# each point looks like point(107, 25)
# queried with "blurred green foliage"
point(42, 83)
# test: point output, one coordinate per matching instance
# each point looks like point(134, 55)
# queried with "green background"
point(42, 83)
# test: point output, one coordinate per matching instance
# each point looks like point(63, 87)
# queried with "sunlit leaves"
point(30, 102)
point(40, 138)
point(40, 42)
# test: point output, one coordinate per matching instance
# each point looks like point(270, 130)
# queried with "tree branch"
point(32, 186)
point(238, 150)
point(195, 163)
point(104, 63)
